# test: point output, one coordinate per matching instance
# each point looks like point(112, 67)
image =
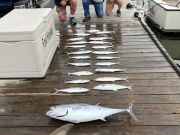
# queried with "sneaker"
point(72, 21)
point(118, 13)
point(86, 19)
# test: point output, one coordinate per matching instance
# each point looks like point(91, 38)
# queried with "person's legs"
point(61, 12)
point(73, 7)
point(99, 9)
point(119, 3)
point(109, 6)
point(86, 4)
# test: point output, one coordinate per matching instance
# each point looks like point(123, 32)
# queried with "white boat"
point(165, 16)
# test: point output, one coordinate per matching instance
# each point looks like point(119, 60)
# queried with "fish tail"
point(130, 88)
point(56, 91)
point(130, 111)
point(126, 79)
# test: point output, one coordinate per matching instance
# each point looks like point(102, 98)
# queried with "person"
point(110, 5)
point(98, 5)
point(61, 9)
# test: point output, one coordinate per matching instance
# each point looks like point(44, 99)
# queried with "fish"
point(75, 39)
point(92, 31)
point(110, 79)
point(82, 34)
point(100, 38)
point(112, 87)
point(99, 42)
point(102, 47)
point(107, 70)
point(79, 64)
point(104, 32)
point(78, 43)
point(78, 81)
point(75, 46)
point(81, 73)
point(81, 52)
point(104, 52)
point(82, 57)
point(81, 112)
point(63, 130)
point(106, 57)
point(106, 63)
point(72, 90)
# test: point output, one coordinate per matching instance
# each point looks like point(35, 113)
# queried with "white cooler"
point(27, 43)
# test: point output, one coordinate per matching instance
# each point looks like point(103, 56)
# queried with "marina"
point(155, 82)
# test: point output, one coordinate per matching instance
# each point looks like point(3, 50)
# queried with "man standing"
point(61, 9)
point(98, 5)
point(110, 5)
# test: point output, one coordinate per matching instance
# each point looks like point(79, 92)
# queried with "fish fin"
point(103, 119)
point(63, 130)
point(56, 90)
point(130, 111)
point(97, 104)
point(130, 88)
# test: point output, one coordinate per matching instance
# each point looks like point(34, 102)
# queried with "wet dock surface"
point(156, 86)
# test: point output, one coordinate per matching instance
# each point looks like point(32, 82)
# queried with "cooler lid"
point(22, 23)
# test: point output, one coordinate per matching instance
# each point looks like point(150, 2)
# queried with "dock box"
point(27, 43)
point(166, 17)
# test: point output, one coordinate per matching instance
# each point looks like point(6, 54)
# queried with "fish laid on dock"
point(110, 79)
point(92, 31)
point(77, 113)
point(63, 130)
point(104, 32)
point(81, 73)
point(80, 52)
point(107, 70)
point(75, 39)
point(106, 63)
point(82, 34)
point(104, 52)
point(75, 46)
point(112, 87)
point(99, 38)
point(102, 46)
point(79, 64)
point(78, 43)
point(81, 57)
point(73, 90)
point(99, 42)
point(106, 57)
point(78, 81)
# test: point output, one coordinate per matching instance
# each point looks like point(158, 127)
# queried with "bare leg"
point(61, 12)
point(73, 6)
point(119, 3)
point(109, 6)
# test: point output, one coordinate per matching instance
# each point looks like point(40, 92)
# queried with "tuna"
point(102, 47)
point(107, 57)
point(107, 70)
point(75, 39)
point(81, 52)
point(78, 43)
point(100, 38)
point(81, 34)
point(72, 90)
point(104, 52)
point(110, 79)
point(79, 81)
point(106, 63)
point(81, 57)
point(104, 32)
point(81, 73)
point(75, 46)
point(99, 42)
point(92, 31)
point(77, 113)
point(79, 64)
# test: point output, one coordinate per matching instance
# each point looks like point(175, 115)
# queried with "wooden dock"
point(156, 86)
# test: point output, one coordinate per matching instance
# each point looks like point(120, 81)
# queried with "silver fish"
point(104, 52)
point(104, 32)
point(106, 63)
point(81, 52)
point(92, 31)
point(106, 57)
point(112, 87)
point(77, 113)
point(75, 46)
point(72, 90)
point(82, 34)
point(81, 57)
point(110, 79)
point(107, 70)
point(102, 47)
point(81, 73)
point(79, 64)
point(99, 42)
point(79, 81)
point(63, 130)
point(75, 39)
point(100, 38)
point(78, 43)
